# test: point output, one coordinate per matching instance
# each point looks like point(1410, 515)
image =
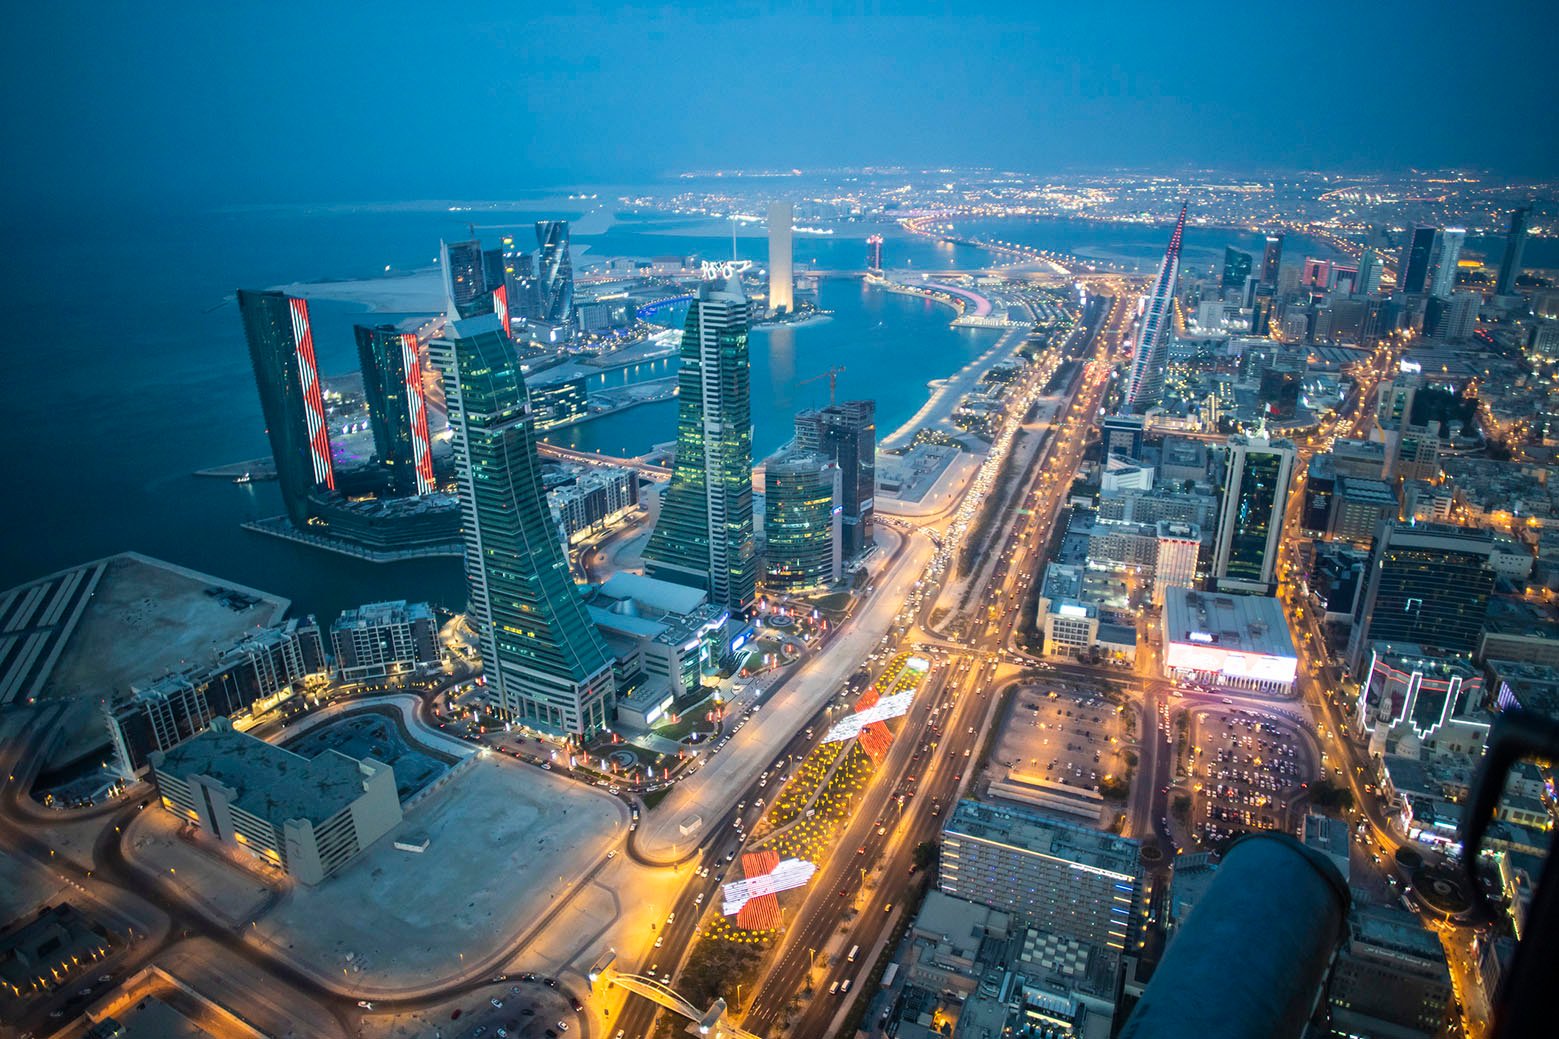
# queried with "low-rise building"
point(1228, 641)
point(594, 501)
point(308, 817)
point(384, 640)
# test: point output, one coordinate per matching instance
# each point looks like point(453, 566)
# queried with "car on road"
point(496, 1002)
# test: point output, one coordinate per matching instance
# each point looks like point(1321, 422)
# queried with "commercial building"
point(1056, 876)
point(1452, 316)
point(1175, 566)
point(704, 536)
point(559, 396)
point(306, 816)
point(846, 433)
point(1228, 641)
point(594, 501)
point(466, 293)
point(385, 639)
point(1359, 506)
point(782, 276)
point(1149, 360)
point(801, 533)
point(1272, 260)
point(874, 252)
point(1407, 685)
point(1447, 256)
point(281, 348)
point(1390, 979)
point(258, 672)
point(391, 363)
point(1429, 585)
point(1515, 245)
point(1121, 435)
point(1257, 471)
point(1416, 266)
point(545, 663)
point(554, 273)
point(1237, 267)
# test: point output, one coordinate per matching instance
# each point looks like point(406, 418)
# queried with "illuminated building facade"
point(1228, 641)
point(1417, 262)
point(1237, 267)
point(1272, 260)
point(1150, 358)
point(704, 536)
point(874, 252)
point(545, 663)
point(391, 363)
point(1515, 244)
point(281, 347)
point(1257, 471)
point(846, 434)
point(465, 281)
point(800, 523)
point(1429, 585)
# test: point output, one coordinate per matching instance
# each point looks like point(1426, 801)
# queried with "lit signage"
point(721, 270)
point(789, 874)
point(1072, 610)
point(1201, 636)
point(1219, 660)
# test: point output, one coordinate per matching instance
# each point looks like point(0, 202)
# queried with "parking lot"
point(521, 1006)
point(1248, 767)
point(1060, 745)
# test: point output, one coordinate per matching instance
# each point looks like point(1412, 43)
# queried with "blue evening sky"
point(327, 101)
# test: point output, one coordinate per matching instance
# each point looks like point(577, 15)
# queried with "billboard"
point(1210, 657)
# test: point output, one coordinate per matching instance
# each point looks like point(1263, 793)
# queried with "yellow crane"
point(832, 375)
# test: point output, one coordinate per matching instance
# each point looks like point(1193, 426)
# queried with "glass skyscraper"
point(1236, 268)
point(1417, 262)
point(397, 408)
point(801, 550)
point(704, 536)
point(1515, 244)
point(465, 283)
point(1257, 471)
point(1428, 585)
point(546, 664)
point(846, 434)
point(1150, 358)
point(281, 347)
point(554, 272)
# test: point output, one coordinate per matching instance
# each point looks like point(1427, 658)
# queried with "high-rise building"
point(1257, 470)
point(1452, 317)
point(1236, 268)
point(704, 536)
point(846, 434)
point(1368, 281)
point(554, 273)
point(874, 252)
point(1515, 243)
point(1447, 256)
point(1175, 562)
point(1272, 260)
point(1315, 274)
point(465, 280)
point(1417, 264)
point(384, 639)
point(1149, 360)
point(1428, 584)
point(281, 347)
point(546, 665)
point(520, 277)
point(1058, 876)
point(391, 363)
point(1390, 979)
point(1121, 435)
point(782, 276)
point(801, 550)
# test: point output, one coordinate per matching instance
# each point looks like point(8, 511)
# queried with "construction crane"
point(832, 375)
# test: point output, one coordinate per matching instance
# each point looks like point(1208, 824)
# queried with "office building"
point(1236, 269)
point(801, 550)
point(1453, 317)
point(1150, 358)
point(1428, 584)
point(846, 434)
point(1315, 274)
point(1121, 435)
point(391, 363)
point(1515, 244)
point(1060, 877)
point(704, 536)
point(874, 252)
point(554, 273)
point(306, 816)
point(1390, 979)
point(465, 281)
point(1175, 563)
point(1228, 641)
point(1359, 506)
point(1272, 260)
point(1447, 256)
point(520, 277)
point(1416, 267)
point(1406, 686)
point(281, 348)
point(385, 639)
point(545, 664)
point(667, 640)
point(1370, 270)
point(1257, 471)
point(782, 275)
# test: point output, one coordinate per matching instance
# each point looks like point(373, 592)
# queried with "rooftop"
point(1027, 830)
point(269, 782)
point(1242, 623)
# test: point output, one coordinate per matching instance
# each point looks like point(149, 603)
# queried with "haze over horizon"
point(313, 103)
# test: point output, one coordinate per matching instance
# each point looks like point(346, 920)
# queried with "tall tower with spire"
point(1147, 364)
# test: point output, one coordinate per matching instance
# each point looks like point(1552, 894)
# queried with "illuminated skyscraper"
point(1417, 263)
point(1515, 243)
point(546, 664)
point(1428, 584)
point(465, 284)
point(782, 278)
point(704, 536)
point(874, 252)
point(281, 347)
point(397, 407)
point(1236, 268)
point(1272, 260)
point(554, 273)
point(1147, 364)
point(1257, 471)
point(846, 434)
point(800, 525)
point(1448, 255)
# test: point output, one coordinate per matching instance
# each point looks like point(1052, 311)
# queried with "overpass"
point(709, 1022)
point(569, 454)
